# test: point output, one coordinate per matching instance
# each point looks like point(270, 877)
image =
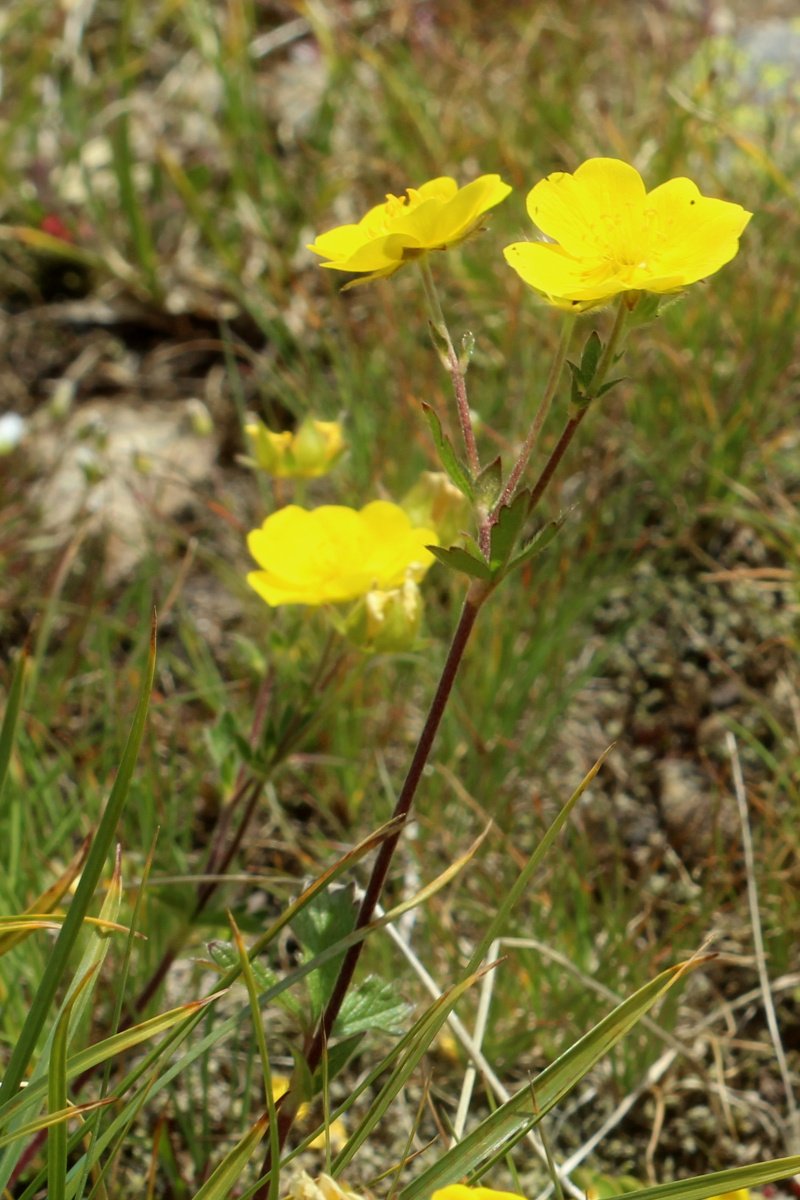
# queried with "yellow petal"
point(549, 270)
point(460, 1191)
point(461, 214)
point(338, 243)
point(333, 553)
point(575, 210)
point(380, 253)
point(692, 235)
point(443, 187)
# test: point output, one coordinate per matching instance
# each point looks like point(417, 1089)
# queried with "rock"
point(118, 467)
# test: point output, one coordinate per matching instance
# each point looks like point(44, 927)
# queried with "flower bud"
point(386, 622)
point(435, 502)
point(305, 454)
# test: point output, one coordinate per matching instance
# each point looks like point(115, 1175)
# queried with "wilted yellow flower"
point(460, 1191)
point(305, 454)
point(331, 554)
point(609, 235)
point(321, 1188)
point(432, 217)
point(387, 621)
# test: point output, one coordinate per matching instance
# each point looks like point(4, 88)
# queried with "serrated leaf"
point(538, 543)
point(326, 920)
point(458, 559)
point(456, 471)
point(225, 956)
point(488, 483)
point(374, 1004)
point(506, 529)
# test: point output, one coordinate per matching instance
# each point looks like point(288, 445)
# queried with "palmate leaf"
point(373, 1004)
point(326, 920)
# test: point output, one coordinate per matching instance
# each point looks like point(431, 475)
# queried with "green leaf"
point(57, 1091)
point(506, 529)
point(374, 1004)
point(326, 920)
point(458, 559)
point(9, 727)
point(608, 386)
point(701, 1187)
point(457, 472)
point(222, 1182)
point(538, 543)
point(488, 483)
point(591, 357)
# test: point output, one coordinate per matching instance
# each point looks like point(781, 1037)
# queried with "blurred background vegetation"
point(164, 164)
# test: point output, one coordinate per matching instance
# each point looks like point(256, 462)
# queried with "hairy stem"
point(441, 331)
point(542, 411)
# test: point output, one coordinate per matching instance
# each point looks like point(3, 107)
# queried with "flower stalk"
point(453, 363)
point(474, 600)
point(553, 379)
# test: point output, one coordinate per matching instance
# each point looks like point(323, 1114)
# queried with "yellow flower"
point(460, 1191)
point(305, 454)
point(609, 235)
point(432, 217)
point(331, 554)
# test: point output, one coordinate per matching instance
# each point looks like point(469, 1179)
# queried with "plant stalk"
point(512, 483)
point(439, 326)
point(475, 598)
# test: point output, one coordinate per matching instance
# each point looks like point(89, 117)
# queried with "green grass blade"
point(57, 1091)
point(522, 881)
point(701, 1187)
point(219, 1186)
point(504, 1127)
point(48, 1120)
point(425, 1031)
point(95, 863)
point(11, 716)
